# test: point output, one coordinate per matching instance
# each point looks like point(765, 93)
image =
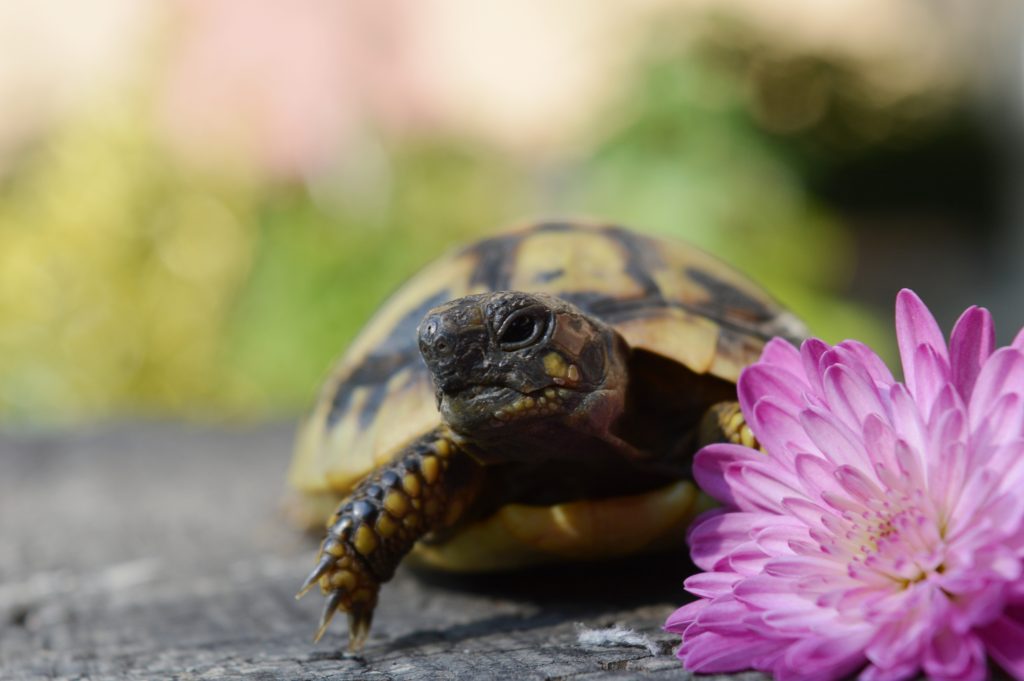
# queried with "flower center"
point(899, 542)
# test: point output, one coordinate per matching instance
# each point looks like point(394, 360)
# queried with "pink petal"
point(759, 487)
point(823, 589)
point(798, 622)
point(783, 354)
point(769, 593)
point(857, 354)
point(949, 426)
point(807, 512)
point(1018, 341)
point(879, 442)
point(896, 673)
point(810, 355)
point(911, 465)
point(984, 516)
point(777, 538)
point(711, 584)
point(794, 567)
point(915, 327)
point(976, 604)
point(891, 479)
point(954, 657)
point(816, 474)
point(779, 431)
point(970, 344)
point(714, 537)
point(770, 658)
point(851, 358)
point(806, 548)
point(684, 616)
point(722, 615)
point(822, 658)
point(710, 651)
point(760, 380)
point(896, 644)
point(833, 439)
point(1002, 373)
point(907, 421)
point(858, 485)
point(1008, 458)
point(851, 397)
point(974, 497)
point(1004, 640)
point(931, 375)
point(841, 502)
point(854, 601)
point(947, 400)
point(745, 560)
point(902, 639)
point(1003, 423)
point(946, 468)
point(709, 466)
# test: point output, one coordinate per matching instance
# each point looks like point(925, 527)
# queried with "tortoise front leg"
point(426, 488)
point(724, 422)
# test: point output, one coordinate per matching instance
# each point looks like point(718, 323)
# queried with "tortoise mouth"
point(501, 392)
point(478, 399)
point(489, 406)
point(481, 391)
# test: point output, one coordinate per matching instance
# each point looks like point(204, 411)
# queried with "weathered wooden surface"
point(157, 551)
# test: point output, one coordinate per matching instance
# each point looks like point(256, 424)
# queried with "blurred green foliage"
point(132, 285)
point(118, 272)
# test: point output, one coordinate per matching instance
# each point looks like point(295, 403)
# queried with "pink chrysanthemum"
point(882, 531)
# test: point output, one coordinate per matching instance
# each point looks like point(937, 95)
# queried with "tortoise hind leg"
point(724, 422)
point(426, 488)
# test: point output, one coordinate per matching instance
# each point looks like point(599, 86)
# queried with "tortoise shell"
point(663, 296)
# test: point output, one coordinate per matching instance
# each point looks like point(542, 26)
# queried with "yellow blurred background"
point(201, 201)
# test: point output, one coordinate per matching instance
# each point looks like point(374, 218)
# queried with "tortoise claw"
point(331, 605)
point(322, 568)
point(349, 585)
point(358, 605)
point(359, 620)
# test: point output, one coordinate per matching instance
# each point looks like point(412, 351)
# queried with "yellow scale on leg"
point(378, 523)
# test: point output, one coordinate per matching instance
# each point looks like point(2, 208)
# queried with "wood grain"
point(159, 551)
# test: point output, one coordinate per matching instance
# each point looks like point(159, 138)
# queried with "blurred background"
point(201, 201)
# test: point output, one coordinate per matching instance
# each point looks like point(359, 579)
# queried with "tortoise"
point(538, 395)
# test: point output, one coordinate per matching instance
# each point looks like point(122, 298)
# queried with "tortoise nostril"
point(435, 340)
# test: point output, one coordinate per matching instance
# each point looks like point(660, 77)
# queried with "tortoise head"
point(510, 357)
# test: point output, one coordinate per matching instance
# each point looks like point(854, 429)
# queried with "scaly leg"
point(426, 488)
point(724, 422)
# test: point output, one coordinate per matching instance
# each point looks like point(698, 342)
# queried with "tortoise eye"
point(521, 329)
